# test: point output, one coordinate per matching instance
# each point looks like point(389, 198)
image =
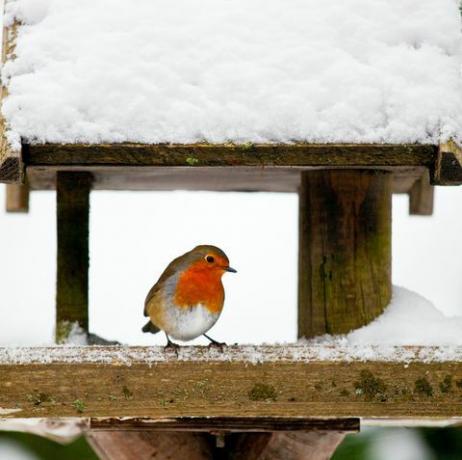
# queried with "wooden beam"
point(448, 165)
point(17, 198)
point(421, 196)
point(225, 424)
point(247, 381)
point(200, 155)
point(141, 445)
point(11, 166)
point(73, 201)
point(344, 250)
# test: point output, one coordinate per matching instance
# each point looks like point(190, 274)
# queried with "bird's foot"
point(172, 346)
point(214, 343)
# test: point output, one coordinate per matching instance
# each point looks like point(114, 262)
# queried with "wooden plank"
point(73, 204)
point(344, 250)
point(17, 198)
point(246, 381)
point(140, 445)
point(11, 166)
point(222, 179)
point(225, 424)
point(199, 155)
point(448, 165)
point(421, 196)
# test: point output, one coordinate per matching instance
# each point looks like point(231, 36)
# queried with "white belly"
point(189, 323)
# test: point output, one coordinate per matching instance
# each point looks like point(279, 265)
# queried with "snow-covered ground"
point(235, 70)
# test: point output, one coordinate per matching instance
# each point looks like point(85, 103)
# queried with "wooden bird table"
point(268, 402)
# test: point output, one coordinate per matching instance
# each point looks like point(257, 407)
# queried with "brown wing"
point(168, 272)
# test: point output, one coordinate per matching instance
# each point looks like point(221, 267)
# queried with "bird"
point(188, 298)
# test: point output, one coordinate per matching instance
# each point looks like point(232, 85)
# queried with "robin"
point(188, 298)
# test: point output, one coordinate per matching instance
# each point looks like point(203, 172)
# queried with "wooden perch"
point(242, 381)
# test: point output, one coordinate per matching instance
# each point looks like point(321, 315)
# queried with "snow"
point(410, 319)
point(232, 70)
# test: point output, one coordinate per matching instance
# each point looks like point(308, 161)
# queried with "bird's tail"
point(149, 327)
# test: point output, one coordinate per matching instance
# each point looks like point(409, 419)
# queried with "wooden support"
point(344, 250)
point(448, 165)
point(246, 382)
point(421, 196)
point(73, 201)
point(286, 446)
point(11, 165)
point(17, 198)
point(148, 445)
point(216, 155)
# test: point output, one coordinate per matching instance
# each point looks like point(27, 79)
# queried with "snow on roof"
point(258, 71)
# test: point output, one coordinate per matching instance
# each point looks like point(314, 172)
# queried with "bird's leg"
point(171, 345)
point(214, 343)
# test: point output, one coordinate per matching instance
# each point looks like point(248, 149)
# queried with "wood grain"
point(140, 445)
point(11, 166)
point(199, 155)
point(73, 207)
point(448, 165)
point(421, 196)
point(293, 381)
point(344, 250)
point(17, 198)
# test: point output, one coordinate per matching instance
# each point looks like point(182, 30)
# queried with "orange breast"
point(200, 286)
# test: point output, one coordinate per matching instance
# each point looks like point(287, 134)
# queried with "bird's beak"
point(229, 269)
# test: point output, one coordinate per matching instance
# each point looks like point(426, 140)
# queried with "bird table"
point(246, 402)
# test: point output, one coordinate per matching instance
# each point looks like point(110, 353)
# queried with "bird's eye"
point(210, 259)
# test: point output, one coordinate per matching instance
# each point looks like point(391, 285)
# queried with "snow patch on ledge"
point(252, 354)
point(187, 71)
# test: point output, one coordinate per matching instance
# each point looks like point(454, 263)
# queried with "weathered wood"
point(448, 165)
point(73, 202)
point(199, 155)
point(286, 446)
point(11, 166)
point(217, 178)
point(344, 250)
point(142, 445)
point(291, 381)
point(17, 198)
point(421, 196)
point(247, 446)
point(226, 424)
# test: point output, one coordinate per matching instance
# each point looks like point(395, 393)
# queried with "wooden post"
point(17, 198)
point(146, 445)
point(310, 445)
point(421, 196)
point(344, 250)
point(73, 193)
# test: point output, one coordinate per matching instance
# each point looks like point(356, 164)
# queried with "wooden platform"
point(241, 381)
